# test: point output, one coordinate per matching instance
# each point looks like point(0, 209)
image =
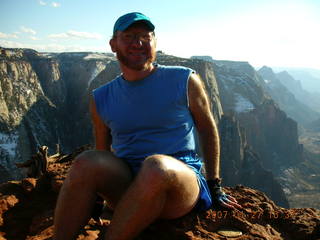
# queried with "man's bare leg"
point(164, 188)
point(92, 172)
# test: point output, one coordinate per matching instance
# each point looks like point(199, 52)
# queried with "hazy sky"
point(262, 32)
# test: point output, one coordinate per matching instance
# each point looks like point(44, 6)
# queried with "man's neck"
point(135, 75)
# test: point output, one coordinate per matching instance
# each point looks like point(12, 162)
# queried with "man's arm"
point(199, 105)
point(100, 129)
point(207, 129)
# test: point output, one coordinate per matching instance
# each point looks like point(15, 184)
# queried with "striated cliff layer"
point(45, 96)
point(268, 130)
point(27, 115)
point(258, 139)
point(43, 100)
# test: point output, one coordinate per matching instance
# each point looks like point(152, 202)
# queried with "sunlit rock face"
point(27, 115)
point(258, 138)
point(43, 101)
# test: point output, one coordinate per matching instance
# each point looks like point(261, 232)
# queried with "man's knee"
point(86, 161)
point(160, 168)
point(89, 165)
point(95, 159)
point(79, 170)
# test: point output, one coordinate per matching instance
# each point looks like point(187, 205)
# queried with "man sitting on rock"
point(144, 165)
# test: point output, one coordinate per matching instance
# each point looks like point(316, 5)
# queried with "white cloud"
point(34, 38)
point(10, 44)
point(76, 34)
point(58, 35)
point(55, 4)
point(5, 35)
point(28, 30)
point(85, 35)
point(43, 3)
point(53, 47)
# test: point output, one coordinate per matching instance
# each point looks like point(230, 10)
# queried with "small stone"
point(229, 232)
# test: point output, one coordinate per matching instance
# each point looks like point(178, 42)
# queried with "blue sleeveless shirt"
point(148, 116)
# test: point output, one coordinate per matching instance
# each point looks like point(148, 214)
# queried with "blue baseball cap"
point(128, 19)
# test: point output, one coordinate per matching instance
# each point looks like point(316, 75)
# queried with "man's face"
point(135, 47)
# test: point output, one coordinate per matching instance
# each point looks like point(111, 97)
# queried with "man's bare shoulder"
point(196, 87)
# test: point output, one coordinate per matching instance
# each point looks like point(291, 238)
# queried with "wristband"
point(213, 183)
point(215, 186)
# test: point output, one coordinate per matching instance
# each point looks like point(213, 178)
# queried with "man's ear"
point(155, 42)
point(112, 43)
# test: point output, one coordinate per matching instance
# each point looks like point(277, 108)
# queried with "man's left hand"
point(220, 197)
